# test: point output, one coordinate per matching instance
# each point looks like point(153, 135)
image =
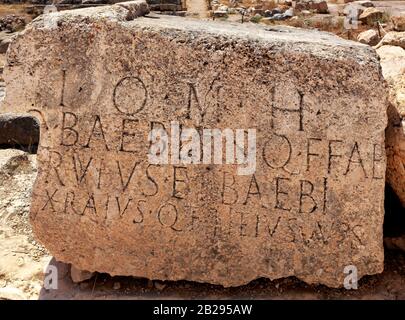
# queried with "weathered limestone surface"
point(393, 69)
point(98, 80)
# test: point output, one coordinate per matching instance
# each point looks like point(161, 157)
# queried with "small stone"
point(116, 286)
point(289, 13)
point(397, 243)
point(12, 23)
point(292, 190)
point(220, 13)
point(18, 129)
point(223, 8)
point(11, 293)
point(79, 275)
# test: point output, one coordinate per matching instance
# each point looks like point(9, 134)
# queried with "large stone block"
point(308, 203)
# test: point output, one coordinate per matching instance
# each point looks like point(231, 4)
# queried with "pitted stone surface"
point(99, 81)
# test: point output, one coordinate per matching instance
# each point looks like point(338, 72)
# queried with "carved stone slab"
point(100, 80)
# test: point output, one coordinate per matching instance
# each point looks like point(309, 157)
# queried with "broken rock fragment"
point(307, 199)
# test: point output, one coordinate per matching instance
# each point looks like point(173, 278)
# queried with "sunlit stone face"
point(311, 202)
